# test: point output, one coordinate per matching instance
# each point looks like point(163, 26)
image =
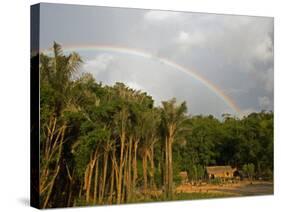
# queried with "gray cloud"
point(235, 53)
point(99, 63)
point(154, 16)
point(265, 103)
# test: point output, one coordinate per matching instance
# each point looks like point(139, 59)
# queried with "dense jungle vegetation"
point(110, 144)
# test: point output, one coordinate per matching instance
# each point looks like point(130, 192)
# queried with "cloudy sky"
point(216, 63)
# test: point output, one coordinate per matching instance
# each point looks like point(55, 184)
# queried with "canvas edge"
point(34, 106)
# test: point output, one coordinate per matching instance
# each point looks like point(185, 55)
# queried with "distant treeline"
point(110, 144)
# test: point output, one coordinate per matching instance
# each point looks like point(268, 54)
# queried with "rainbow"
point(140, 53)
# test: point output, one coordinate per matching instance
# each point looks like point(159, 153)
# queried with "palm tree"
point(56, 73)
point(121, 123)
point(174, 124)
point(150, 122)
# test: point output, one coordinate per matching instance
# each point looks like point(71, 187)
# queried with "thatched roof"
point(183, 174)
point(218, 169)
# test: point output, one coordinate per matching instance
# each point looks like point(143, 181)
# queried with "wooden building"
point(220, 172)
point(184, 177)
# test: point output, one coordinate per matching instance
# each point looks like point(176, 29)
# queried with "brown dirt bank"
point(243, 188)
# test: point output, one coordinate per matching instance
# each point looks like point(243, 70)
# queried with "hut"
point(184, 177)
point(225, 172)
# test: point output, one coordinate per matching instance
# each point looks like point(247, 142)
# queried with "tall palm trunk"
point(144, 166)
point(110, 199)
point(88, 176)
point(135, 170)
point(170, 168)
point(119, 186)
point(114, 173)
point(129, 178)
point(89, 180)
point(152, 167)
point(174, 121)
point(125, 177)
point(104, 176)
point(166, 177)
point(96, 183)
point(57, 144)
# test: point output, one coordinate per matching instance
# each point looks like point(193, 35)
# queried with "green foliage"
point(196, 172)
point(231, 141)
point(215, 181)
point(176, 171)
point(97, 118)
point(249, 170)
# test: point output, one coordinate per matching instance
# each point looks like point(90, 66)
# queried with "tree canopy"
point(105, 144)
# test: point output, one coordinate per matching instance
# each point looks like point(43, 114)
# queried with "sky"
point(216, 63)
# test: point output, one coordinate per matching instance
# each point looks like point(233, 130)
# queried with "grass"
point(186, 196)
point(200, 195)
